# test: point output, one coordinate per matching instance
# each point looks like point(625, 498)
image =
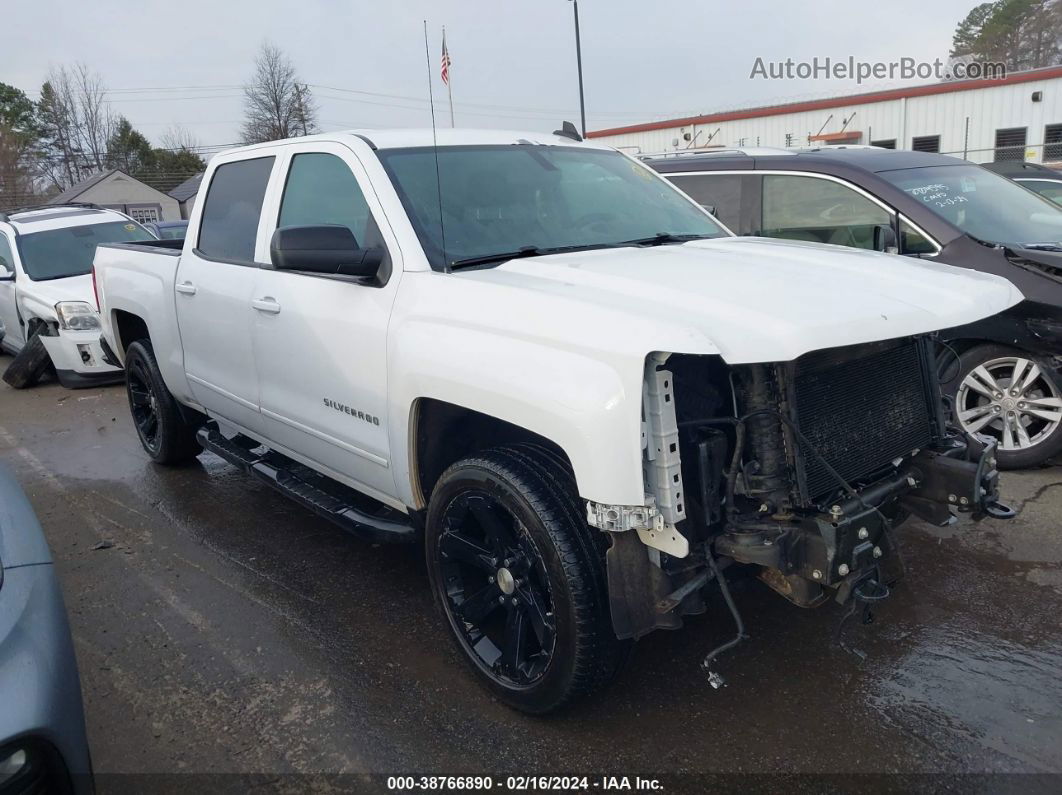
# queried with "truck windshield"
point(485, 203)
point(982, 204)
point(59, 253)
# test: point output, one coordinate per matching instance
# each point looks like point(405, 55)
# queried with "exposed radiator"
point(860, 409)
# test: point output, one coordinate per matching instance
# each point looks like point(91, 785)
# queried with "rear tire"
point(515, 572)
point(163, 431)
point(30, 363)
point(1037, 407)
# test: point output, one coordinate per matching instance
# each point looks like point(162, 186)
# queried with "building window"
point(926, 143)
point(886, 144)
point(1010, 144)
point(1053, 142)
point(144, 215)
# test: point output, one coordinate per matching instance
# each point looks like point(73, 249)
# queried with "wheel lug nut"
point(490, 579)
point(843, 569)
point(501, 599)
point(514, 600)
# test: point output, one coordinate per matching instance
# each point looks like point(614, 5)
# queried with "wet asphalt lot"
point(225, 630)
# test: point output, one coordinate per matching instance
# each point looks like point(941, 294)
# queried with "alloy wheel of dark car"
point(1007, 395)
point(497, 589)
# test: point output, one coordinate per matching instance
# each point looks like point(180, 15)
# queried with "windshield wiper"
point(524, 251)
point(664, 239)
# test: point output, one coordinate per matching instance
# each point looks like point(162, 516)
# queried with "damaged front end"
point(802, 469)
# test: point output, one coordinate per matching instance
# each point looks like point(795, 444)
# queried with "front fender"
point(590, 408)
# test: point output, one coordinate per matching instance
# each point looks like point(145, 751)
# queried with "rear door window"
point(720, 194)
point(819, 210)
point(228, 230)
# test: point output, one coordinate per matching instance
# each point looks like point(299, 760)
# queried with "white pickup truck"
point(584, 395)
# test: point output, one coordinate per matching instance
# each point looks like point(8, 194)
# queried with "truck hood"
point(748, 299)
point(45, 295)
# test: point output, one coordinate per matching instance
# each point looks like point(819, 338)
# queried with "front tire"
point(1013, 397)
point(515, 572)
point(30, 364)
point(163, 431)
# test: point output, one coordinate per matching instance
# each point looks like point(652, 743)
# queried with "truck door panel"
point(214, 288)
point(320, 341)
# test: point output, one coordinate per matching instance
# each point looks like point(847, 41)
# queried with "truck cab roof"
point(420, 137)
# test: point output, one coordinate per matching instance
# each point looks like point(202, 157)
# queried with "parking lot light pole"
point(579, 66)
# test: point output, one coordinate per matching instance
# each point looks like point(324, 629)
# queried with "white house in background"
point(1018, 117)
point(117, 190)
point(185, 194)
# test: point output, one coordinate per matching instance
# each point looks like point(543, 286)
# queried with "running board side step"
point(325, 497)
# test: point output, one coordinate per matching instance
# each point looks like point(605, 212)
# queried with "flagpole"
point(449, 81)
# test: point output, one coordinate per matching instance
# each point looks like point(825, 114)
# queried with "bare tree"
point(178, 139)
point(77, 124)
point(276, 105)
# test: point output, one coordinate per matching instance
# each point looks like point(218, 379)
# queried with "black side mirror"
point(885, 239)
point(710, 208)
point(328, 248)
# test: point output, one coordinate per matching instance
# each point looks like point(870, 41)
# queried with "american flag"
point(445, 62)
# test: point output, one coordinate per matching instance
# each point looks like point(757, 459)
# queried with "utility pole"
point(579, 66)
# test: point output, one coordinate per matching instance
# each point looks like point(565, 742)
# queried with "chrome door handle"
point(266, 305)
point(186, 287)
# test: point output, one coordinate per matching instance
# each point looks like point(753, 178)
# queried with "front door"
point(321, 341)
point(10, 328)
point(214, 290)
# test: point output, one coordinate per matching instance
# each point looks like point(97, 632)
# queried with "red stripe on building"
point(836, 102)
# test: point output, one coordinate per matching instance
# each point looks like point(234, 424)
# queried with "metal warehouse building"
point(1012, 118)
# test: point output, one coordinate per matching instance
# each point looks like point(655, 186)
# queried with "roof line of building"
point(885, 95)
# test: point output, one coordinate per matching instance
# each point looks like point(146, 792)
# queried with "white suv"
point(47, 307)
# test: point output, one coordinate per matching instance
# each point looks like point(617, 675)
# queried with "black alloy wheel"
point(164, 433)
point(497, 590)
point(143, 404)
point(520, 578)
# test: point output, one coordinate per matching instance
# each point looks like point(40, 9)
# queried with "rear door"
point(732, 198)
point(321, 341)
point(10, 329)
point(214, 289)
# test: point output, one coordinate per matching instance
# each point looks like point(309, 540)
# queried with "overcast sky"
point(513, 62)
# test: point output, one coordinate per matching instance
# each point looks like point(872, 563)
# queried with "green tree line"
point(1023, 34)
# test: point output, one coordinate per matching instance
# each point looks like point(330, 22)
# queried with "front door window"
point(819, 210)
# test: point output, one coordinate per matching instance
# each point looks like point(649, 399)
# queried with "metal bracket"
point(644, 519)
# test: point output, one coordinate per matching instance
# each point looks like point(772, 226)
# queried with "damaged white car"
point(541, 360)
point(48, 316)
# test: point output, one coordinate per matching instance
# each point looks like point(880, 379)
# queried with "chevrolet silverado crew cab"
point(538, 358)
point(47, 317)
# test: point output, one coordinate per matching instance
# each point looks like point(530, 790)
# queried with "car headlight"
point(77, 316)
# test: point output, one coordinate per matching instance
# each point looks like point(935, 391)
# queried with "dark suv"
point(1006, 382)
point(1040, 179)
